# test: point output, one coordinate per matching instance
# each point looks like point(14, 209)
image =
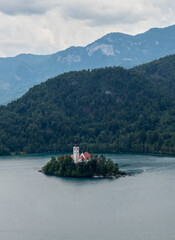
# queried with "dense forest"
point(106, 110)
point(64, 166)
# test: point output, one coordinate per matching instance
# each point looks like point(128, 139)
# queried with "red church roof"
point(86, 154)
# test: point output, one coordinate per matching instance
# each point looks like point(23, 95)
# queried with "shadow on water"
point(133, 172)
point(125, 165)
point(82, 181)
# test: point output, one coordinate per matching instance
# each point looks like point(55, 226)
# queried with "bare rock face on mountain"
point(18, 74)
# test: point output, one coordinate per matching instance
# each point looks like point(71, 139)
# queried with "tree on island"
point(64, 166)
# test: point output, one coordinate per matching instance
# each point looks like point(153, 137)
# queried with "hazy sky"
point(47, 26)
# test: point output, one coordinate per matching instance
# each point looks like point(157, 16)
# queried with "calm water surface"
point(36, 207)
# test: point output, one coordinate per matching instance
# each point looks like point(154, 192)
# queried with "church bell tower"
point(76, 153)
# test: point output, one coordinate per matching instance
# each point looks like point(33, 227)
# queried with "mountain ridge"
point(18, 74)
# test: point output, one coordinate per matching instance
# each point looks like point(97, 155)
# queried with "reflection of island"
point(81, 166)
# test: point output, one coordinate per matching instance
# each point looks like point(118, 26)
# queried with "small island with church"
point(82, 165)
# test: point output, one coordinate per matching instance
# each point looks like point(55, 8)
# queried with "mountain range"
point(18, 74)
point(110, 109)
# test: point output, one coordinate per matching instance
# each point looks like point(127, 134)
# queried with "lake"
point(37, 207)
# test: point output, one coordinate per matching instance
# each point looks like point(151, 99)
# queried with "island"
point(96, 166)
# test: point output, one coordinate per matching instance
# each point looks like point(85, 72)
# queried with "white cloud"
point(24, 34)
point(16, 7)
point(46, 26)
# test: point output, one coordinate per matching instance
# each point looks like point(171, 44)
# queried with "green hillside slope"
point(106, 110)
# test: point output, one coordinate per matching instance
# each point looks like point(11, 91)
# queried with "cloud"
point(46, 26)
point(23, 34)
point(106, 13)
point(112, 12)
point(27, 7)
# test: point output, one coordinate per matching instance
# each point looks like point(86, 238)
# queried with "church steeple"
point(76, 153)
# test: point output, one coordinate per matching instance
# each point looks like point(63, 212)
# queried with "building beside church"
point(84, 157)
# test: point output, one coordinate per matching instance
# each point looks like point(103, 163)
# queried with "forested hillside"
point(106, 110)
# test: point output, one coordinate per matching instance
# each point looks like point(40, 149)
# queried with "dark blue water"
point(36, 207)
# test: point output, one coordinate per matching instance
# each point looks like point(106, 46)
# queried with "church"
point(84, 157)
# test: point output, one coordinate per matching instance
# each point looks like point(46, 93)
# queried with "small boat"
point(40, 170)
